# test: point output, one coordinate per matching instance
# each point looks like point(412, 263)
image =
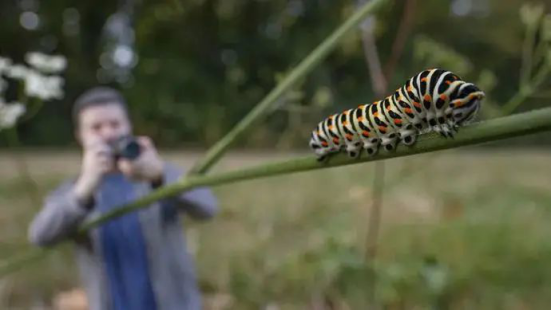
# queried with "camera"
point(126, 147)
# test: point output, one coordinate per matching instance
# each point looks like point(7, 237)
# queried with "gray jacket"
point(172, 271)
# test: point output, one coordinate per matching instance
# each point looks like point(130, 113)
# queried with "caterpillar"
point(434, 100)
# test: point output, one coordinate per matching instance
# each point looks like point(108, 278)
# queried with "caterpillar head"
point(467, 103)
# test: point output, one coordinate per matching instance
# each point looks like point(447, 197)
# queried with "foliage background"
point(203, 64)
point(460, 229)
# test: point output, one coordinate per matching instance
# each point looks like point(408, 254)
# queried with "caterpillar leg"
point(322, 159)
point(408, 135)
point(441, 129)
point(431, 121)
point(388, 142)
point(354, 154)
point(371, 146)
point(447, 131)
point(322, 155)
point(440, 125)
point(447, 124)
point(354, 150)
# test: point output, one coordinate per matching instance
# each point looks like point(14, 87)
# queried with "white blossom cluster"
point(9, 113)
point(46, 63)
point(40, 79)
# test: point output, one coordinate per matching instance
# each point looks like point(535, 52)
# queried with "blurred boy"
point(139, 260)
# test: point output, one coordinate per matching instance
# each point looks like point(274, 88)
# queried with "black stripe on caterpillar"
point(434, 100)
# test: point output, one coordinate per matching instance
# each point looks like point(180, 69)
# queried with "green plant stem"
point(307, 65)
point(35, 106)
point(22, 260)
point(402, 36)
point(500, 128)
point(527, 52)
point(527, 91)
point(22, 166)
point(379, 84)
point(540, 53)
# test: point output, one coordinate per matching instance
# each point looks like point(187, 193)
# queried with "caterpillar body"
point(434, 100)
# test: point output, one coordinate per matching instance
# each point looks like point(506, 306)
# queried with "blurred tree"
point(202, 64)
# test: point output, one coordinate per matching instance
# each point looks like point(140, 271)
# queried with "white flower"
point(46, 63)
point(9, 113)
point(18, 72)
point(43, 87)
point(5, 64)
point(37, 84)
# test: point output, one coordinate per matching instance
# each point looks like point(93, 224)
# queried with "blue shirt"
point(123, 249)
point(169, 266)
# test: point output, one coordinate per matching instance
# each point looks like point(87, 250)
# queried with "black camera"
point(126, 147)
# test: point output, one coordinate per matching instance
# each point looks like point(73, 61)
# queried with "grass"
point(461, 229)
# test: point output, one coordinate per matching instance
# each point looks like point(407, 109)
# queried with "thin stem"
point(401, 37)
point(496, 129)
point(379, 85)
point(542, 95)
point(36, 105)
point(23, 167)
point(527, 51)
point(527, 91)
point(540, 53)
point(373, 229)
point(299, 72)
point(376, 211)
point(541, 76)
point(378, 80)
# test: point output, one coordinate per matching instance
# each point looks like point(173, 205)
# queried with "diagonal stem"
point(496, 129)
point(299, 72)
point(526, 91)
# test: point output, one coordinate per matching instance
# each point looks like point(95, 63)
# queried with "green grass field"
point(460, 229)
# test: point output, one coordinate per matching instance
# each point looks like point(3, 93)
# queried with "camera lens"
point(131, 150)
point(126, 147)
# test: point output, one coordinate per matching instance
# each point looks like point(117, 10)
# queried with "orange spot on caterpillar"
point(397, 121)
point(427, 98)
point(361, 106)
point(408, 110)
point(382, 128)
point(365, 133)
point(376, 114)
point(324, 143)
point(345, 123)
point(457, 103)
point(448, 82)
point(331, 127)
point(424, 79)
point(349, 136)
point(409, 88)
point(336, 140)
point(443, 97)
point(361, 119)
point(417, 104)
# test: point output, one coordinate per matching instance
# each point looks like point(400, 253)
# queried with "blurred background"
point(464, 228)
